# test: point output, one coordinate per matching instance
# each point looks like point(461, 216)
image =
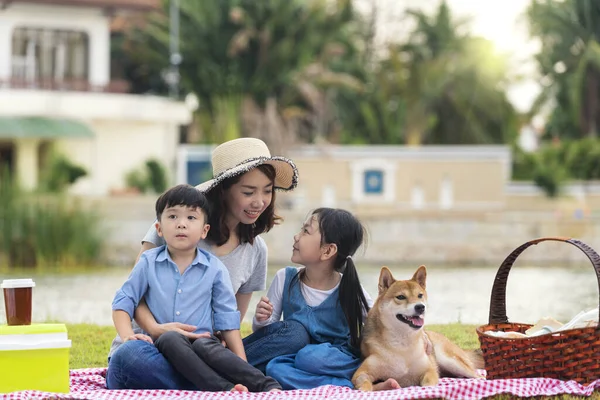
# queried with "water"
point(455, 294)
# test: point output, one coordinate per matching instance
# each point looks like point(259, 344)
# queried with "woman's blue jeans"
point(139, 365)
point(277, 339)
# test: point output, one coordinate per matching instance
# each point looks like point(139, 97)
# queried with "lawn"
point(91, 344)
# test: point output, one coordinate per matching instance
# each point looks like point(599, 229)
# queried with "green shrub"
point(157, 176)
point(549, 177)
point(151, 177)
point(555, 163)
point(60, 173)
point(137, 179)
point(581, 157)
point(46, 230)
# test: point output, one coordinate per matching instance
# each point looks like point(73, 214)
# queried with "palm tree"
point(453, 83)
point(262, 68)
point(569, 61)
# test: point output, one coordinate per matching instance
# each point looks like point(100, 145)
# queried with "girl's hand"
point(264, 309)
point(139, 336)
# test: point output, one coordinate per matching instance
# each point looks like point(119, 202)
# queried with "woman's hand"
point(184, 329)
point(146, 321)
point(264, 309)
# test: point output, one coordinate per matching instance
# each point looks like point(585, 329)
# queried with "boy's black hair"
point(183, 195)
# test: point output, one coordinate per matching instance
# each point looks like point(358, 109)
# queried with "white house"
point(56, 90)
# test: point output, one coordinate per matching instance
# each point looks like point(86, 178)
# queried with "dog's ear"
point(420, 276)
point(385, 279)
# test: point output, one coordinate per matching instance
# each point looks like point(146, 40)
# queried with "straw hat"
point(239, 156)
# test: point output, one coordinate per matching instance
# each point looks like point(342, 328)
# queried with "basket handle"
point(498, 299)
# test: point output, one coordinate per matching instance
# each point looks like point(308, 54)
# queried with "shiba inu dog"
point(395, 346)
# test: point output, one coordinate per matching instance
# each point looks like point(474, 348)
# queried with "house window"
point(373, 181)
point(198, 171)
point(49, 54)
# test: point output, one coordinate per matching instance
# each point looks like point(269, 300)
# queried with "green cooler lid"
point(33, 329)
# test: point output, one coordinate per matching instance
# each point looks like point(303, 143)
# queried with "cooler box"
point(34, 357)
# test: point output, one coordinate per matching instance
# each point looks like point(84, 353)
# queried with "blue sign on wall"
point(198, 172)
point(373, 181)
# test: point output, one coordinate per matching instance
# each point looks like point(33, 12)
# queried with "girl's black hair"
point(343, 229)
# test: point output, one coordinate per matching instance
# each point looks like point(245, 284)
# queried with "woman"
point(243, 199)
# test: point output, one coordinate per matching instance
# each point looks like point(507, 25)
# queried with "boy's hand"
point(139, 336)
point(219, 335)
point(184, 329)
point(264, 309)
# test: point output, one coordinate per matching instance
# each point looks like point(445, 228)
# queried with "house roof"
point(42, 127)
point(122, 4)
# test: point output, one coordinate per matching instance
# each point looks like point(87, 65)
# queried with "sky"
point(501, 22)
point(504, 24)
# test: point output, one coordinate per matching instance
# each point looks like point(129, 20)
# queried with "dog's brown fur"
point(394, 343)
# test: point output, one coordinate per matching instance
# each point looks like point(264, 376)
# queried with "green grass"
point(90, 344)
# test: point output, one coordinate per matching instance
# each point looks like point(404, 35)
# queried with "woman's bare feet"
point(275, 390)
point(390, 384)
point(239, 388)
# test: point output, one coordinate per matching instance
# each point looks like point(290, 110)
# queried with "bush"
point(157, 176)
point(45, 230)
point(152, 177)
point(137, 179)
point(554, 163)
point(549, 178)
point(60, 174)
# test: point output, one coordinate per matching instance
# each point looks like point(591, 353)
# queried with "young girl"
point(325, 297)
point(243, 198)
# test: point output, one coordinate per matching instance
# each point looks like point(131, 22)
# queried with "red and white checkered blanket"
point(89, 383)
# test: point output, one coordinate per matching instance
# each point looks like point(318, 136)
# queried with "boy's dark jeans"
point(210, 366)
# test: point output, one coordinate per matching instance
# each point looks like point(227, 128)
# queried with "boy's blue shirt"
point(202, 296)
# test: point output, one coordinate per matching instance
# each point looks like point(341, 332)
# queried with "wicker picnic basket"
point(566, 355)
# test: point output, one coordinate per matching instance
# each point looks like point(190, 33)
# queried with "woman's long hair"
point(219, 232)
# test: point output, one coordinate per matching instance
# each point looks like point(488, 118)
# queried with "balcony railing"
point(75, 85)
point(129, 4)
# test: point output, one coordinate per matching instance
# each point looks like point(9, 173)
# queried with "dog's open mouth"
point(415, 321)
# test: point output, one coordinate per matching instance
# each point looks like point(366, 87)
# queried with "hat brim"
point(286, 173)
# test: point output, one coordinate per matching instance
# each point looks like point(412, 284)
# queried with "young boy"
point(182, 283)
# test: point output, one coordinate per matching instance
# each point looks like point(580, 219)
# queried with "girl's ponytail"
point(353, 301)
point(343, 229)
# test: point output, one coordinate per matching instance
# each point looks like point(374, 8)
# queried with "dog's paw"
point(431, 378)
point(366, 387)
point(390, 384)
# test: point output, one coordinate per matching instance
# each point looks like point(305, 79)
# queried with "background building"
point(56, 92)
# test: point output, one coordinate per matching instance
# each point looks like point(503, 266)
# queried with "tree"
point(306, 70)
point(454, 84)
point(569, 62)
point(260, 68)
